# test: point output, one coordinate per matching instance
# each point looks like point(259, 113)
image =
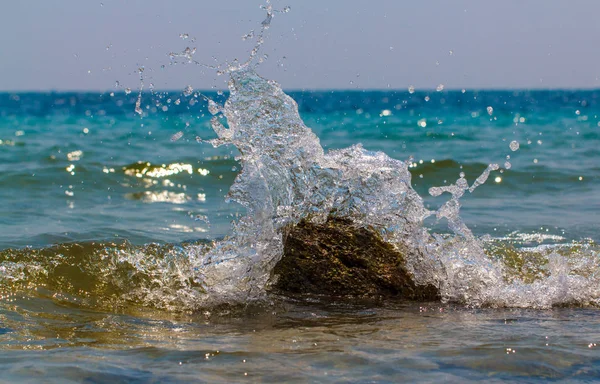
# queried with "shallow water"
point(300, 341)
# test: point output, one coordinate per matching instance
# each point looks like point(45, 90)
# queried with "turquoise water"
point(45, 134)
point(97, 199)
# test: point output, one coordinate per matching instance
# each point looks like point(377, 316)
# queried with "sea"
point(137, 242)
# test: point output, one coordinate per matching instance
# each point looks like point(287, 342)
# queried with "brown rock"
point(340, 259)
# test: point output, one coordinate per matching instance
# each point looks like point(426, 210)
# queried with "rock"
point(340, 259)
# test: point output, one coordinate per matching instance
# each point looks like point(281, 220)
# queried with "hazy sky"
point(91, 44)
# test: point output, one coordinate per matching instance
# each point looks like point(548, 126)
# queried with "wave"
point(106, 276)
point(286, 177)
point(121, 277)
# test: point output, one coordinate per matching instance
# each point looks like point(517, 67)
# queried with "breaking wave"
point(286, 177)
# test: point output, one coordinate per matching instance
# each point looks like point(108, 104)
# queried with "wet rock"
point(339, 259)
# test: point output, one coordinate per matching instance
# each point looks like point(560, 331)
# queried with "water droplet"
point(451, 52)
point(411, 89)
point(204, 219)
point(514, 145)
point(127, 91)
point(198, 139)
point(507, 165)
point(435, 191)
point(184, 36)
point(490, 110)
point(462, 175)
point(177, 136)
point(188, 90)
point(138, 106)
point(213, 107)
point(427, 98)
point(177, 102)
point(233, 169)
point(267, 21)
point(439, 88)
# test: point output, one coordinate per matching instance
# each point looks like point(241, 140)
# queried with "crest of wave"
point(286, 177)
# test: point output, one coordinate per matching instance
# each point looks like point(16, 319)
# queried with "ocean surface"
point(105, 212)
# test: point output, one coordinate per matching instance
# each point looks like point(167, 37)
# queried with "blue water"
point(81, 173)
point(42, 135)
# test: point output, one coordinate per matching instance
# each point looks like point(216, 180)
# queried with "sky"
point(320, 44)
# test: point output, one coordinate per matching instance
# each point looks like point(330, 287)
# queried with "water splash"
point(286, 177)
point(138, 102)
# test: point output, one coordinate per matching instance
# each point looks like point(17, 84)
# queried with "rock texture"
point(339, 259)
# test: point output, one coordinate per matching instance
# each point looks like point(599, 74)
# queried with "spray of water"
point(286, 177)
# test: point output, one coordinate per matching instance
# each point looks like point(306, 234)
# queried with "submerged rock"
point(340, 259)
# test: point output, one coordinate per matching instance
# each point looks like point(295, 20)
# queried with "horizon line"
point(416, 90)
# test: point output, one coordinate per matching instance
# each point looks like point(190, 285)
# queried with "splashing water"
point(286, 177)
point(138, 102)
